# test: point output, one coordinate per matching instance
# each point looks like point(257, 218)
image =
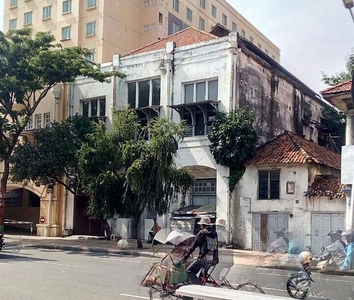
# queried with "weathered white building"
point(293, 184)
point(190, 75)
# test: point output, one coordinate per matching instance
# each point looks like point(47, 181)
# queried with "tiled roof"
point(329, 186)
point(345, 86)
point(188, 36)
point(288, 148)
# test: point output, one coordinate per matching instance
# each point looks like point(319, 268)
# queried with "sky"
point(314, 36)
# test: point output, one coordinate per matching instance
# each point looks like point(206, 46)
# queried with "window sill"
point(90, 35)
point(66, 13)
point(13, 7)
point(268, 199)
point(63, 40)
point(25, 25)
point(45, 19)
point(91, 8)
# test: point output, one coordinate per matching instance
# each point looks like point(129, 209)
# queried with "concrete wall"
point(278, 102)
point(298, 207)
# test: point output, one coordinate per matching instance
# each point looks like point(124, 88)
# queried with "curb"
point(91, 250)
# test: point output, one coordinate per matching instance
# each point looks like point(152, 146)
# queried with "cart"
point(165, 277)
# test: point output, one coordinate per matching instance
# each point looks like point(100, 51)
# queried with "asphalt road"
point(51, 274)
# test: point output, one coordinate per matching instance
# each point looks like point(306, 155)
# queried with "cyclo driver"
point(207, 241)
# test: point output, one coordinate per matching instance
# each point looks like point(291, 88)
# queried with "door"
point(83, 224)
point(320, 226)
point(264, 227)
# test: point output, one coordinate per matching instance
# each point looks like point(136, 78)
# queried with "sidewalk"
point(96, 244)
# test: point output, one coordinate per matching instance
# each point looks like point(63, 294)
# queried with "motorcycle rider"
point(348, 263)
point(335, 251)
point(207, 242)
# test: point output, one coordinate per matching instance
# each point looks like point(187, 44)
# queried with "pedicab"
point(166, 276)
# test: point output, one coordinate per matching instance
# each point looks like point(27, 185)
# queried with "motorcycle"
point(299, 284)
point(2, 244)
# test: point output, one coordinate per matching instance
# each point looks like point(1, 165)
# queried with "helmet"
point(334, 232)
point(305, 257)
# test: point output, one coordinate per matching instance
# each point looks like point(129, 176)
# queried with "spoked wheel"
point(249, 287)
point(160, 294)
point(298, 287)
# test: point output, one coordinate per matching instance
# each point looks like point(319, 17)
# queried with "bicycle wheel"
point(298, 287)
point(249, 287)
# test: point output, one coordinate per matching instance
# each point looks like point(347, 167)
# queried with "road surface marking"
point(120, 259)
point(138, 297)
point(278, 275)
point(57, 264)
point(273, 289)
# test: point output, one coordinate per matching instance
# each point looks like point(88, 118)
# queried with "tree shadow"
point(8, 257)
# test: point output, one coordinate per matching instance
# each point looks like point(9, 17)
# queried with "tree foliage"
point(124, 174)
point(233, 141)
point(341, 76)
point(30, 65)
point(52, 154)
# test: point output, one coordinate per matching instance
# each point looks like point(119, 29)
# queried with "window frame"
point(69, 2)
point(176, 5)
point(25, 21)
point(174, 26)
point(214, 11)
point(49, 8)
point(234, 27)
point(91, 57)
point(201, 21)
point(243, 33)
point(137, 91)
point(202, 3)
point(92, 6)
point(13, 3)
point(46, 119)
point(89, 101)
point(189, 14)
point(93, 29)
point(69, 31)
point(38, 121)
point(224, 20)
point(269, 191)
point(11, 22)
point(206, 92)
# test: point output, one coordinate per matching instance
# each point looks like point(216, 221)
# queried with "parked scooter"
point(299, 284)
point(2, 244)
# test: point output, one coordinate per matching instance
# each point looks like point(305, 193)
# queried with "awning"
point(194, 210)
point(148, 111)
point(190, 108)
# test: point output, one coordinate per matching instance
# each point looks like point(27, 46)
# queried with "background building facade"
point(118, 26)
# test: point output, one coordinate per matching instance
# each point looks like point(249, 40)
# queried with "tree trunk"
point(107, 230)
point(3, 184)
point(138, 232)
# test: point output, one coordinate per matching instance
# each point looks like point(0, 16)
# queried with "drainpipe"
point(63, 220)
point(50, 198)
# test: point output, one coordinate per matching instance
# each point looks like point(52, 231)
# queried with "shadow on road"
point(7, 257)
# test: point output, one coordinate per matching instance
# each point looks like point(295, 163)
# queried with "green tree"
point(50, 156)
point(342, 76)
point(233, 140)
point(124, 174)
point(29, 67)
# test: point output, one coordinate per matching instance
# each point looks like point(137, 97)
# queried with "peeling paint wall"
point(298, 207)
point(278, 104)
